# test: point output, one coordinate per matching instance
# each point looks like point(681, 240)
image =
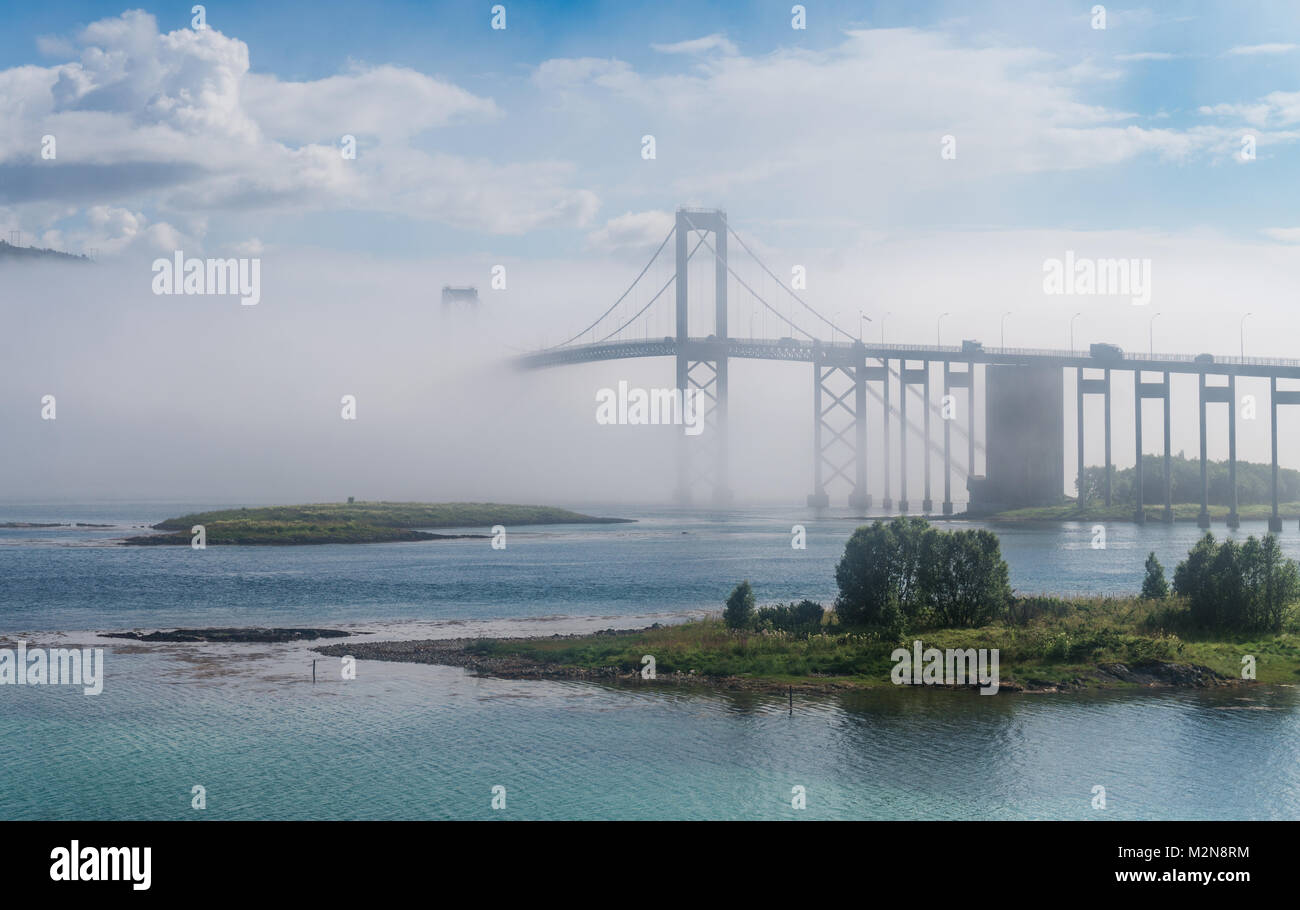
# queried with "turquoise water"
point(406, 741)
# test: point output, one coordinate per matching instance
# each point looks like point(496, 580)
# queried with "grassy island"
point(909, 589)
point(354, 522)
point(1093, 643)
point(1254, 493)
point(1183, 511)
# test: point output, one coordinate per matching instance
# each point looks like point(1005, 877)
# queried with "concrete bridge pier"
point(1107, 418)
point(1203, 519)
point(1080, 483)
point(927, 504)
point(1168, 517)
point(902, 436)
point(887, 502)
point(1139, 510)
point(970, 429)
point(947, 438)
point(859, 499)
point(1234, 521)
point(817, 499)
point(1274, 520)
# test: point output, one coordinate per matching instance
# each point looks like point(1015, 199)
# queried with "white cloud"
point(714, 42)
point(859, 122)
point(1284, 235)
point(176, 122)
point(1146, 55)
point(385, 100)
point(1274, 109)
point(633, 230)
point(1245, 50)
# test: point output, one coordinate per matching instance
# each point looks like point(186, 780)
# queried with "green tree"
point(1238, 587)
point(881, 562)
point(964, 578)
point(739, 612)
point(1154, 586)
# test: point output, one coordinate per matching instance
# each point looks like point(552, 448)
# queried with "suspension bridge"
point(1022, 389)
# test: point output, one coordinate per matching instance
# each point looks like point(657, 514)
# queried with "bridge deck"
point(848, 353)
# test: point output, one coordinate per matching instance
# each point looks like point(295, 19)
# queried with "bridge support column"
point(711, 356)
point(680, 235)
point(927, 504)
point(970, 440)
point(902, 436)
point(888, 501)
point(947, 438)
point(722, 495)
point(1107, 398)
point(859, 499)
point(1203, 519)
point(1234, 521)
point(1274, 520)
point(1139, 510)
point(1081, 483)
point(1168, 517)
point(817, 498)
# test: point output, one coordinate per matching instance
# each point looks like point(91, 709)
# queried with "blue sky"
point(1152, 70)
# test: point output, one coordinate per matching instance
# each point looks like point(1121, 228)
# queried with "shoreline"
point(1183, 513)
point(456, 652)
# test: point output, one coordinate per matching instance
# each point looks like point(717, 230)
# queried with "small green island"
point(1229, 619)
point(353, 522)
point(1254, 494)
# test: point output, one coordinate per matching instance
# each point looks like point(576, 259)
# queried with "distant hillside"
point(10, 253)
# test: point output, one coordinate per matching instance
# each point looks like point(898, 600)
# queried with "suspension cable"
point(624, 294)
point(763, 266)
point(745, 285)
point(638, 313)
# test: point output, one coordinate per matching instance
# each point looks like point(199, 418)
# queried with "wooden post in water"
point(313, 672)
point(791, 700)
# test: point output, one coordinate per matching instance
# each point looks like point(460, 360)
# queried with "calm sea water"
point(401, 741)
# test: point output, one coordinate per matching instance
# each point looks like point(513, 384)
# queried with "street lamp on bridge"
point(1072, 318)
point(938, 330)
point(1004, 327)
point(888, 313)
point(1151, 336)
point(866, 318)
point(1243, 334)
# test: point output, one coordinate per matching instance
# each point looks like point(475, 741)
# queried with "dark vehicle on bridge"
point(1204, 358)
point(971, 347)
point(1102, 351)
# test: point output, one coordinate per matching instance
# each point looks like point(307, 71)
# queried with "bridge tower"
point(702, 366)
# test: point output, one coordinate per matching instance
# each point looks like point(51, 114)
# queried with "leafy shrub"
point(1238, 587)
point(739, 612)
point(964, 578)
point(907, 572)
point(881, 562)
point(801, 619)
point(1154, 586)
